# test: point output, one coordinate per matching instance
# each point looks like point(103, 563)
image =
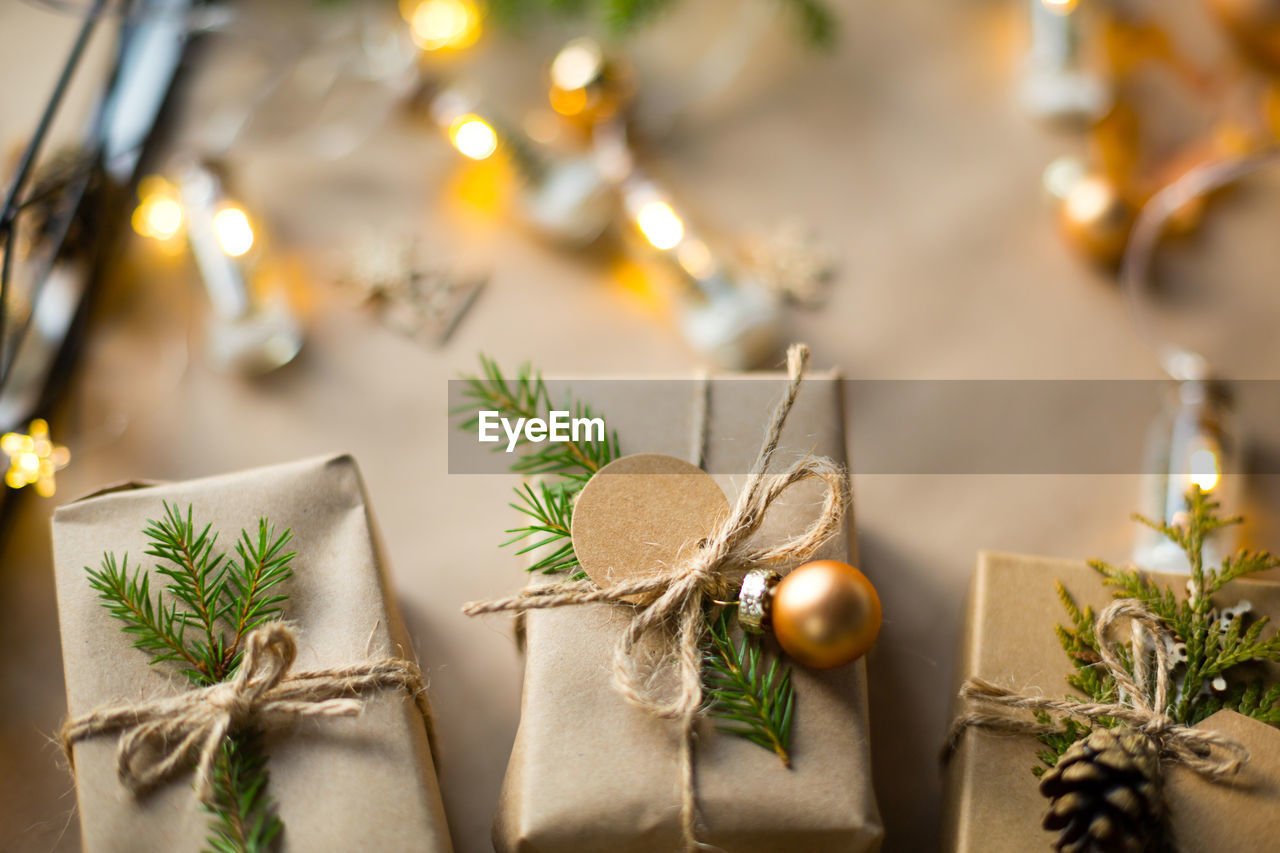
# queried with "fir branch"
point(814, 22)
point(563, 467)
point(157, 628)
point(756, 702)
point(526, 396)
point(244, 818)
point(261, 566)
point(197, 579)
point(551, 509)
point(221, 600)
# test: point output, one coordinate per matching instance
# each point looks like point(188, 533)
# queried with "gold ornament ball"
point(587, 86)
point(1095, 218)
point(1255, 26)
point(825, 614)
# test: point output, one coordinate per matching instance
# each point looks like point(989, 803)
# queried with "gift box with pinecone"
point(1145, 703)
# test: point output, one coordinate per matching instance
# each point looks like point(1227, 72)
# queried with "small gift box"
point(993, 802)
point(344, 726)
point(591, 771)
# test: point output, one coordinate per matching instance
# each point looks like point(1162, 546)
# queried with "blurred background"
point(250, 232)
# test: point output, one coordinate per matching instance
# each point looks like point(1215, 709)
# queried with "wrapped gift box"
point(589, 772)
point(351, 783)
point(992, 802)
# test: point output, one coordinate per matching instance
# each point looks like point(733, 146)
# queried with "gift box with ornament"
point(694, 628)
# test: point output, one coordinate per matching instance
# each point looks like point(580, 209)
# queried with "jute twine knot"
point(162, 737)
point(1143, 700)
point(676, 596)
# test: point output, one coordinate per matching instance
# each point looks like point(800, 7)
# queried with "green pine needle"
point(813, 20)
point(243, 816)
point(562, 467)
point(550, 534)
point(755, 701)
point(1216, 647)
point(209, 604)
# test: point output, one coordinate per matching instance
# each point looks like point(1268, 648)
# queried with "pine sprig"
point(197, 579)
point(1219, 645)
point(527, 396)
point(815, 23)
point(551, 509)
point(562, 467)
point(243, 818)
point(200, 620)
point(157, 628)
point(261, 565)
point(756, 701)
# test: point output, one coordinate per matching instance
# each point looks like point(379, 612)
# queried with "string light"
point(1060, 7)
point(660, 225)
point(695, 258)
point(473, 136)
point(444, 24)
point(1204, 471)
point(235, 234)
point(33, 458)
point(159, 213)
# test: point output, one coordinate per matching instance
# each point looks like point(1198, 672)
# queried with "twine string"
point(997, 709)
point(160, 738)
point(679, 593)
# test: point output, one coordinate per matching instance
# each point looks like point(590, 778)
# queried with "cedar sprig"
point(1218, 645)
point(754, 700)
point(561, 468)
point(200, 619)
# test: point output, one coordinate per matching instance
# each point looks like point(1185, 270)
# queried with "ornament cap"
point(755, 600)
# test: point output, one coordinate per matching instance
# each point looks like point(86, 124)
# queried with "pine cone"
point(1105, 794)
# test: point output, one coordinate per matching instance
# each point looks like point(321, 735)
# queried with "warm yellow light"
point(1060, 7)
point(235, 234)
point(1089, 199)
point(660, 225)
point(474, 137)
point(441, 24)
point(158, 214)
point(695, 258)
point(567, 102)
point(164, 218)
point(1204, 469)
point(577, 65)
point(33, 458)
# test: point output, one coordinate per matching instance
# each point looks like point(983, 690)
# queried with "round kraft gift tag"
point(642, 513)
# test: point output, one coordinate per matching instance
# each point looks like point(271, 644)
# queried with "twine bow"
point(1143, 700)
point(676, 615)
point(160, 738)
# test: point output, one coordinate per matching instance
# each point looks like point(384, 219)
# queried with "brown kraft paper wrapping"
point(992, 800)
point(357, 783)
point(588, 772)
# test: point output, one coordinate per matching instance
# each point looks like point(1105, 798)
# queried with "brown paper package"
point(992, 802)
point(360, 783)
point(588, 772)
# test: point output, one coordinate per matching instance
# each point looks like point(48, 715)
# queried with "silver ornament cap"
point(755, 599)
